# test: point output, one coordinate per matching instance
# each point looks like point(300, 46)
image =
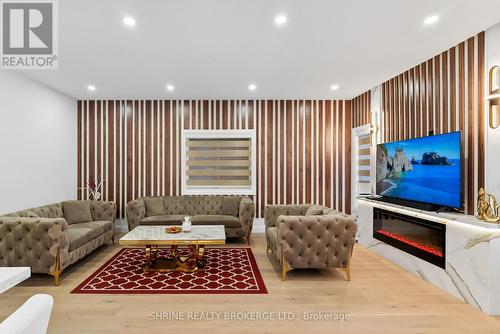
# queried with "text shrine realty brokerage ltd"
point(250, 316)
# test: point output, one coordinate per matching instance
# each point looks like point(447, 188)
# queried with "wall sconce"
point(493, 97)
point(373, 127)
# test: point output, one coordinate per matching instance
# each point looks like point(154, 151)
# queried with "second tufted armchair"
point(298, 240)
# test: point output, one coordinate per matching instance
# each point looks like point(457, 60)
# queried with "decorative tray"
point(173, 229)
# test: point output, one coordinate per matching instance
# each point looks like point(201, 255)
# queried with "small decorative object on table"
point(487, 210)
point(173, 229)
point(186, 224)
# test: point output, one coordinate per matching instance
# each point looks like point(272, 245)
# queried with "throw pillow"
point(230, 206)
point(77, 211)
point(314, 210)
point(154, 206)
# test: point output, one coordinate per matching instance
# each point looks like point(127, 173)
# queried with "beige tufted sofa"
point(41, 238)
point(203, 210)
point(300, 241)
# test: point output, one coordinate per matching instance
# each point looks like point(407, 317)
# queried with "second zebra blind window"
point(364, 161)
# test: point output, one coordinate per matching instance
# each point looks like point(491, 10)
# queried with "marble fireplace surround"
point(472, 254)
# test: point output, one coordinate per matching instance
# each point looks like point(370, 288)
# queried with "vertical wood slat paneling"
point(446, 94)
point(360, 110)
point(303, 148)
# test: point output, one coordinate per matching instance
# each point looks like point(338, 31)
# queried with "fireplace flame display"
point(423, 247)
point(419, 237)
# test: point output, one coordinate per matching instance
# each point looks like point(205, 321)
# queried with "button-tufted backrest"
point(174, 205)
point(25, 214)
point(203, 205)
point(193, 205)
point(46, 211)
point(272, 212)
point(103, 210)
point(317, 241)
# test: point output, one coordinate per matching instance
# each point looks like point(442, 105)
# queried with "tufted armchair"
point(298, 240)
point(42, 239)
point(236, 213)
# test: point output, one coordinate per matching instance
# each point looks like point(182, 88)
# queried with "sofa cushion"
point(154, 206)
point(163, 220)
point(81, 233)
point(230, 206)
point(227, 221)
point(77, 211)
point(99, 227)
point(314, 210)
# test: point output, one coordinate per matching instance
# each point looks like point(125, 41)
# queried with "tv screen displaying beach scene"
point(426, 169)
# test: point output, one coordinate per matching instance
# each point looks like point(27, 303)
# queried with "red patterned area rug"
point(228, 271)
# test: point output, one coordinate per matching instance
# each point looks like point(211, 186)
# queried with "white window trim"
point(219, 190)
point(355, 134)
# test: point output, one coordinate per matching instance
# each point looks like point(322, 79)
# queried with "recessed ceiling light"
point(431, 20)
point(280, 20)
point(170, 87)
point(91, 88)
point(129, 21)
point(252, 86)
point(334, 87)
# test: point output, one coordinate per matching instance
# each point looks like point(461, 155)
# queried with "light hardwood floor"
point(381, 298)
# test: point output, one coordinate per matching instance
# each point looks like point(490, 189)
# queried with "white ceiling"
point(216, 48)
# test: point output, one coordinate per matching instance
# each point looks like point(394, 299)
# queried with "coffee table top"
point(156, 235)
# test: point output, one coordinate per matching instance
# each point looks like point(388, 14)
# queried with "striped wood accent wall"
point(361, 106)
point(303, 147)
point(443, 94)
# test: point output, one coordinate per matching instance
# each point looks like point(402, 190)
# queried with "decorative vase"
point(186, 225)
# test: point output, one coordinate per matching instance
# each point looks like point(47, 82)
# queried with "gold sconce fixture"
point(487, 210)
point(493, 97)
point(373, 127)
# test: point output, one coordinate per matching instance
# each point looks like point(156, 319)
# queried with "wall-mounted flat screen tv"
point(425, 170)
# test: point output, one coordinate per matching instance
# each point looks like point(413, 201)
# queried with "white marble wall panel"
point(472, 255)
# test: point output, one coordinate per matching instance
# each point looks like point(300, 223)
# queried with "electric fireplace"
point(421, 238)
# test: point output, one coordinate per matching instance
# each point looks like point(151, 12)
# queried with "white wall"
point(37, 144)
point(492, 42)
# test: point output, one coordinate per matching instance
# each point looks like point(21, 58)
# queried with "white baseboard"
point(259, 226)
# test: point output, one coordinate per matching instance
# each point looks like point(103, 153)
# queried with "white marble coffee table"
point(11, 276)
point(152, 238)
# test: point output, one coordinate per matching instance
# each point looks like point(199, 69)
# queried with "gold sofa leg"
point(347, 269)
point(57, 269)
point(284, 268)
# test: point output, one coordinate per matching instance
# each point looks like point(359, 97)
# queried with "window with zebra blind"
point(362, 170)
point(218, 162)
point(364, 166)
